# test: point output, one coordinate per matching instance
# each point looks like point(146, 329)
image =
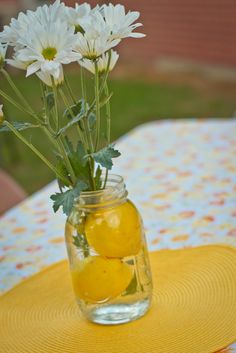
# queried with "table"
point(180, 174)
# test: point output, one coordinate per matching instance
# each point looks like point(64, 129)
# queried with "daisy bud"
point(3, 49)
point(102, 62)
point(1, 114)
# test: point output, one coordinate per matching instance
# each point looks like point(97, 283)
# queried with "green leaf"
point(19, 126)
point(80, 186)
point(79, 164)
point(68, 146)
point(98, 181)
point(73, 121)
point(50, 100)
point(80, 242)
point(79, 111)
point(91, 121)
point(104, 156)
point(80, 152)
point(77, 240)
point(66, 199)
point(61, 168)
point(80, 107)
point(73, 109)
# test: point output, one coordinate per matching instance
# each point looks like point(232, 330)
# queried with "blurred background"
point(184, 68)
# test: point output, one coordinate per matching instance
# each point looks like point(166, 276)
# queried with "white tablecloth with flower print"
point(180, 174)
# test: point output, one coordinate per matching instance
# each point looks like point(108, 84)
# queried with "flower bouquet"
point(104, 233)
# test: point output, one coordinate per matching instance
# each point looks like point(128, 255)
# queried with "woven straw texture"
point(193, 310)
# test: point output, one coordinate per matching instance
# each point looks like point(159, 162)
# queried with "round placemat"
point(193, 310)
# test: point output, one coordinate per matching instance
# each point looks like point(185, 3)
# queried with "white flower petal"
point(79, 15)
point(31, 69)
point(121, 24)
point(17, 63)
point(47, 78)
point(137, 35)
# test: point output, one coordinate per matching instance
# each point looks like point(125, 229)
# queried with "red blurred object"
point(197, 31)
point(10, 192)
point(202, 31)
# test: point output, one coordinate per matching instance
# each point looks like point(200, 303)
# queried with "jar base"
point(115, 314)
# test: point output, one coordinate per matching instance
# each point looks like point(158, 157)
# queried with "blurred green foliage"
point(135, 101)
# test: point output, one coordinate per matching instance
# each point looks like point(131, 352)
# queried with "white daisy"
point(3, 49)
point(43, 76)
point(96, 39)
point(77, 16)
point(121, 24)
point(102, 62)
point(20, 27)
point(48, 46)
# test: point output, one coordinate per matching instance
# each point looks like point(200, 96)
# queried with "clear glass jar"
point(108, 255)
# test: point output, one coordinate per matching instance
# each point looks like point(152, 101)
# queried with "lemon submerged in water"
point(97, 279)
point(115, 232)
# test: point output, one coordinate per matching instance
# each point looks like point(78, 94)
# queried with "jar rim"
point(114, 193)
point(118, 182)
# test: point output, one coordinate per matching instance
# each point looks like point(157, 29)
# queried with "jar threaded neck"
point(114, 193)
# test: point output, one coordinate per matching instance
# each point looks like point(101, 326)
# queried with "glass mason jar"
point(108, 255)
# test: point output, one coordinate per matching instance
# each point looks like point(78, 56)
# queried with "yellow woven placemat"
point(193, 311)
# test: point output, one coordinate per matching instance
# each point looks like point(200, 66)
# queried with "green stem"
point(66, 158)
point(83, 88)
point(60, 139)
point(48, 129)
point(36, 151)
point(97, 98)
point(10, 100)
point(104, 80)
point(57, 124)
point(87, 133)
point(89, 142)
point(64, 98)
point(58, 143)
point(44, 103)
point(69, 90)
point(20, 95)
point(108, 115)
point(108, 120)
point(50, 136)
point(91, 177)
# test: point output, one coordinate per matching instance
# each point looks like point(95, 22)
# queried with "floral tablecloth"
point(180, 174)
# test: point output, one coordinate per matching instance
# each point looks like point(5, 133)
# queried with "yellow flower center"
point(49, 53)
point(91, 56)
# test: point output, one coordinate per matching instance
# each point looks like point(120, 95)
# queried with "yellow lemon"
point(115, 232)
point(97, 279)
